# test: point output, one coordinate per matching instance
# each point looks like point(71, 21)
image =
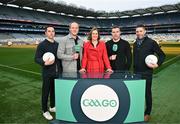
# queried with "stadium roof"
point(73, 10)
point(150, 11)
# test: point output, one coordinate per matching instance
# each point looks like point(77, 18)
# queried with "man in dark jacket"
point(143, 47)
point(50, 70)
point(119, 51)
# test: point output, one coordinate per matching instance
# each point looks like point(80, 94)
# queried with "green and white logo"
point(100, 103)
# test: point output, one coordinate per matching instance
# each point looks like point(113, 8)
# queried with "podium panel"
point(100, 100)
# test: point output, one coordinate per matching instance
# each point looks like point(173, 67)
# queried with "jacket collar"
point(70, 36)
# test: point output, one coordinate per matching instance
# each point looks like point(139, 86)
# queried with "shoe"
point(47, 115)
point(52, 109)
point(147, 118)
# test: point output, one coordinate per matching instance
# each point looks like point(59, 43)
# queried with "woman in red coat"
point(95, 58)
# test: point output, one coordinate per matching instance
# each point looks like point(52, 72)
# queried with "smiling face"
point(140, 32)
point(74, 28)
point(95, 35)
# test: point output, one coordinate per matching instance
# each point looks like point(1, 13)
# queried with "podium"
point(99, 98)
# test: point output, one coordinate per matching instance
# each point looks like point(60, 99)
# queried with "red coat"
point(95, 59)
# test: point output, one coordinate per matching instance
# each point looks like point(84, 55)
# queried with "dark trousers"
point(48, 89)
point(148, 93)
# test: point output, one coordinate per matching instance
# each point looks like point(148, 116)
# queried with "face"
point(116, 33)
point(140, 32)
point(50, 33)
point(94, 35)
point(74, 29)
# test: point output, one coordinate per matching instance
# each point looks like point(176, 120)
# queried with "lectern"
point(99, 98)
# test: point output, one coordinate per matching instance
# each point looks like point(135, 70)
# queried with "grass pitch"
point(20, 86)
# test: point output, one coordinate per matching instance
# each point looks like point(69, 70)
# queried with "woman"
point(95, 57)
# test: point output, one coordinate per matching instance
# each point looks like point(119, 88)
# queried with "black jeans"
point(148, 93)
point(48, 89)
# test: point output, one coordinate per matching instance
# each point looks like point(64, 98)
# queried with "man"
point(70, 50)
point(50, 69)
point(143, 47)
point(119, 51)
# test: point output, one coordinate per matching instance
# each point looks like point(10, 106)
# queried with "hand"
point(75, 56)
point(82, 70)
point(153, 66)
point(113, 57)
point(109, 71)
point(48, 62)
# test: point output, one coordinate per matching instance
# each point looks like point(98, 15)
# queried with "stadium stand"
point(22, 24)
point(12, 13)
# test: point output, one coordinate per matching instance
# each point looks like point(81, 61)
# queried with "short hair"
point(48, 27)
point(72, 23)
point(90, 34)
point(141, 26)
point(115, 26)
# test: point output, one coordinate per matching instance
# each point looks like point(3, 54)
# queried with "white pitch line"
point(168, 62)
point(36, 73)
point(32, 72)
point(171, 59)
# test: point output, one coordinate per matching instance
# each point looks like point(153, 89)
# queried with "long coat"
point(95, 59)
point(65, 51)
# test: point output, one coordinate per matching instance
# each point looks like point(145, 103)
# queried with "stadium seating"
point(22, 25)
point(23, 14)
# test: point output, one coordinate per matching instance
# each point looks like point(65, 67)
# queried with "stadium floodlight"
point(51, 11)
point(147, 14)
point(12, 5)
point(90, 17)
point(124, 16)
point(80, 16)
point(26, 7)
point(171, 11)
point(101, 17)
point(113, 17)
point(63, 13)
point(135, 15)
point(70, 15)
point(40, 10)
point(156, 13)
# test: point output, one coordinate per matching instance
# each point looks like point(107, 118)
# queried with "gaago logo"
point(100, 103)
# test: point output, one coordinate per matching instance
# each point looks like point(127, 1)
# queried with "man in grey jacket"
point(70, 50)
